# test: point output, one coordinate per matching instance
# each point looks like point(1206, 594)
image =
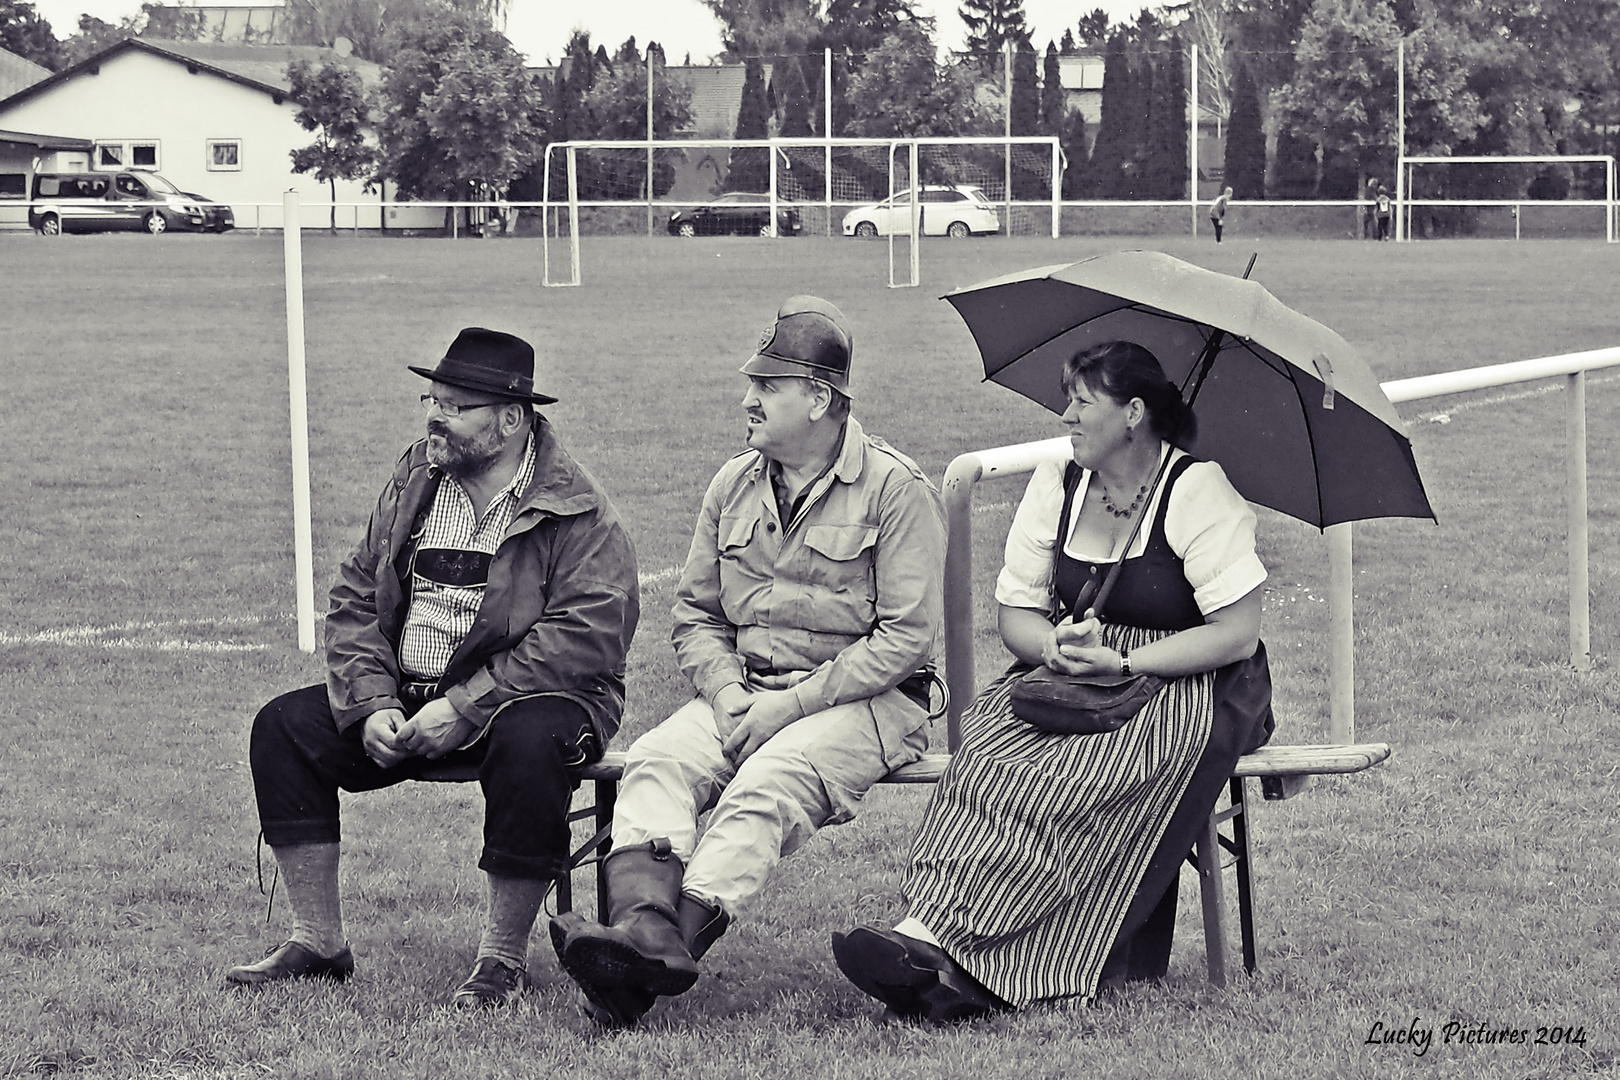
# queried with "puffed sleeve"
point(1211, 527)
point(1026, 571)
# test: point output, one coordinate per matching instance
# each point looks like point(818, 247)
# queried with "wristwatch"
point(1125, 661)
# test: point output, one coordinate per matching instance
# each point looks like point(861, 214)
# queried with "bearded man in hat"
point(807, 618)
point(483, 620)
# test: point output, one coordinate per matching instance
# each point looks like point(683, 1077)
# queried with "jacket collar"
point(846, 466)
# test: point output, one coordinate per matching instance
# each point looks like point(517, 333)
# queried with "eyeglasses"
point(454, 408)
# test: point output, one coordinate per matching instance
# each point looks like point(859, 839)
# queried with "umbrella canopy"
point(1293, 415)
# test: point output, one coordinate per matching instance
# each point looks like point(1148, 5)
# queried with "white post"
point(1006, 150)
point(649, 140)
point(1192, 144)
point(1400, 140)
point(573, 214)
point(1580, 627)
point(1057, 190)
point(916, 219)
point(303, 558)
point(1341, 636)
point(770, 228)
point(826, 123)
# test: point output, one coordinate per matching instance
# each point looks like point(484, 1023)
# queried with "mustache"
point(438, 427)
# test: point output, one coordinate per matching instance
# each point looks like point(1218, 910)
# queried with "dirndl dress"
point(1046, 863)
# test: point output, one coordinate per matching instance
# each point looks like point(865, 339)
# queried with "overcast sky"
point(540, 28)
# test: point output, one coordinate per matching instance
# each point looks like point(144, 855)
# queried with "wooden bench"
point(1282, 771)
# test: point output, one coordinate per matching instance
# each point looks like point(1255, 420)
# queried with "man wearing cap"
point(807, 618)
point(483, 620)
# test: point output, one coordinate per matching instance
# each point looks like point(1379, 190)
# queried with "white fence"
point(971, 468)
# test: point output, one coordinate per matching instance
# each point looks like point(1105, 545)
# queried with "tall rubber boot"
point(640, 955)
point(701, 924)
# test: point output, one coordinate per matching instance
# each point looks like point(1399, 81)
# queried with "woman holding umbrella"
point(1046, 864)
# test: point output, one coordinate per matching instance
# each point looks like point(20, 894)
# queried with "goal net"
point(1507, 196)
point(860, 188)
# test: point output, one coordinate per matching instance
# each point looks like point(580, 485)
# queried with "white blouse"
point(1208, 524)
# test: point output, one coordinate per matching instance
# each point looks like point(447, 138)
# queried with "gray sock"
point(309, 874)
point(510, 908)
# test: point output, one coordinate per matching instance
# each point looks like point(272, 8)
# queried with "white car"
point(955, 210)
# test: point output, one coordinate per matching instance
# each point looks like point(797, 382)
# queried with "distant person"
point(483, 620)
point(1217, 212)
point(807, 619)
point(1369, 217)
point(1383, 205)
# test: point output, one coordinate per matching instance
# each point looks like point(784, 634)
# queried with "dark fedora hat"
point(810, 339)
point(491, 362)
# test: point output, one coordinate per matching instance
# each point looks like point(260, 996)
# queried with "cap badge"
point(766, 337)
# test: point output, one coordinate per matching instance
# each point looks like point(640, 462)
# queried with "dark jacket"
point(557, 616)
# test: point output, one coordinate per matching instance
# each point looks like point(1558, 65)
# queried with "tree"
point(335, 105)
point(902, 90)
point(172, 23)
point(1113, 148)
point(1026, 96)
point(28, 34)
point(615, 107)
point(1078, 182)
point(751, 168)
point(1212, 30)
point(1093, 28)
point(1245, 166)
point(459, 114)
point(1068, 46)
point(991, 25)
point(372, 26)
point(95, 35)
point(1166, 166)
point(1052, 101)
point(1342, 96)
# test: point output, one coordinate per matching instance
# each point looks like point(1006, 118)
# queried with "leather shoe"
point(491, 985)
point(291, 960)
point(916, 980)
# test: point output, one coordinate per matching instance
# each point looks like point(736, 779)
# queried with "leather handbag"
point(1081, 705)
point(1087, 704)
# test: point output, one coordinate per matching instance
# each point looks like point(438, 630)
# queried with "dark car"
point(97, 201)
point(740, 213)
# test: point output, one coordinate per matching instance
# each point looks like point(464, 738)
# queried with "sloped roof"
point(44, 142)
point(17, 73)
point(259, 67)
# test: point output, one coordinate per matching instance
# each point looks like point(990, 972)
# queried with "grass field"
point(147, 593)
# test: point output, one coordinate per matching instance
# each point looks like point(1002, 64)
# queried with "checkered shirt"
point(441, 616)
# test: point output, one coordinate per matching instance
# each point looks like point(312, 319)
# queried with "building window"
point(224, 155)
point(127, 154)
point(13, 185)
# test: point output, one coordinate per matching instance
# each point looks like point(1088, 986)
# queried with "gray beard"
point(462, 458)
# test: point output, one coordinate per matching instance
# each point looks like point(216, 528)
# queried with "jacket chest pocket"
point(840, 563)
point(745, 568)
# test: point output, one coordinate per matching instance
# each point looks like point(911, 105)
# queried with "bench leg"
point(607, 795)
point(1209, 880)
point(1245, 889)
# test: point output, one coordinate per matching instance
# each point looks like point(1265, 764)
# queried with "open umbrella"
point(1293, 415)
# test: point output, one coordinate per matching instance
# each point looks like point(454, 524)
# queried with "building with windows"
point(212, 118)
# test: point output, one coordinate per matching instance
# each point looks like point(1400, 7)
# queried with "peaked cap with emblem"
point(491, 362)
point(809, 340)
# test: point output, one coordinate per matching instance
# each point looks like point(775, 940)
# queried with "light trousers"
point(813, 772)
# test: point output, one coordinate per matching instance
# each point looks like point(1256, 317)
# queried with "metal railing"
point(969, 469)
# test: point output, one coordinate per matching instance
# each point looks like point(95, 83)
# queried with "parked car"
point(95, 201)
point(744, 213)
point(954, 210)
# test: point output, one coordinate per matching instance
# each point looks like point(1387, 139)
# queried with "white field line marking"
point(1443, 416)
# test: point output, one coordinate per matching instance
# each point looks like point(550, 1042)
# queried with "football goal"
point(903, 189)
point(1553, 195)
